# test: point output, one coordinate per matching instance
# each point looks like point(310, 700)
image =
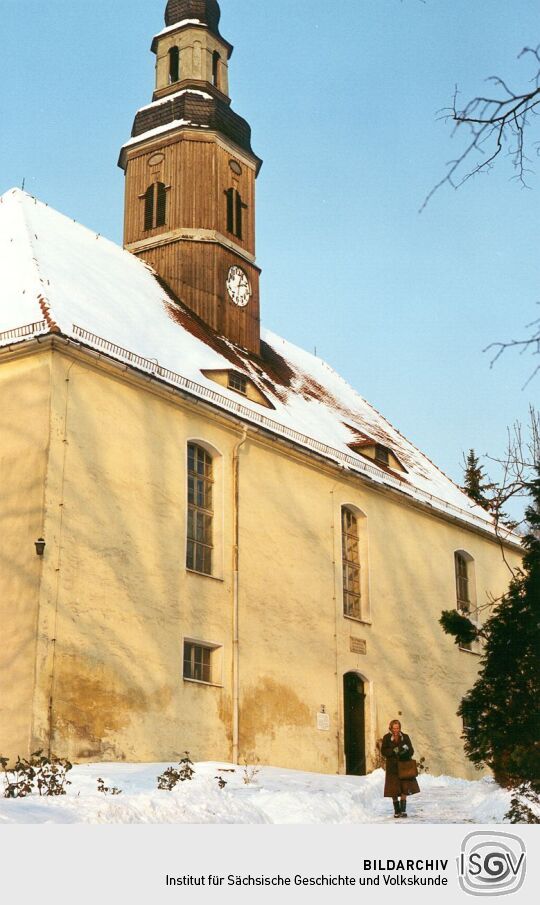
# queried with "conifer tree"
point(501, 712)
point(475, 484)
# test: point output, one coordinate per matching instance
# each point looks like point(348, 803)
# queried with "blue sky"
point(343, 99)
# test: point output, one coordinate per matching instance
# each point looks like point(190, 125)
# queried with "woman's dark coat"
point(394, 787)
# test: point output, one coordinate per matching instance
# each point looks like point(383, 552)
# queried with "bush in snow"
point(171, 777)
point(48, 774)
point(107, 790)
point(250, 772)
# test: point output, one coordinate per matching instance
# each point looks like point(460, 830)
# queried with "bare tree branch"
point(493, 125)
point(518, 465)
point(529, 344)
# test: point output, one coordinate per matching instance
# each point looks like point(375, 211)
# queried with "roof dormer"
point(239, 383)
point(380, 454)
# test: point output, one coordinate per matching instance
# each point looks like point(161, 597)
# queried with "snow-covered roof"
point(56, 276)
point(160, 130)
point(177, 25)
point(171, 97)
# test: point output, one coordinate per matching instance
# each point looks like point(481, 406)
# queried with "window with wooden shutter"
point(240, 208)
point(149, 207)
point(230, 210)
point(161, 204)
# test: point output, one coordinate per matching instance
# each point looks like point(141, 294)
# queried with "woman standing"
point(396, 747)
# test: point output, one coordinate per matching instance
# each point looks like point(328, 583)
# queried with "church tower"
point(190, 177)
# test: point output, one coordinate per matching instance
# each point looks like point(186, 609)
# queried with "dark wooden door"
point(355, 724)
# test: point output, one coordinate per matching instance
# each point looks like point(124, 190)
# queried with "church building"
point(210, 541)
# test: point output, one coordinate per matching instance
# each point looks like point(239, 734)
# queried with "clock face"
point(238, 287)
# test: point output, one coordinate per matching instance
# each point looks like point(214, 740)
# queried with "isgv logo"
point(492, 864)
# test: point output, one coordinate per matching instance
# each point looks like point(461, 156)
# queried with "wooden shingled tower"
point(190, 177)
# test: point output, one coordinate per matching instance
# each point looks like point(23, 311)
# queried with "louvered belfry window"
point(149, 207)
point(161, 204)
point(352, 599)
point(200, 510)
point(235, 213)
point(155, 205)
point(462, 583)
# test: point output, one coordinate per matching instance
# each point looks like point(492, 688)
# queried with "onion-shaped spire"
point(207, 12)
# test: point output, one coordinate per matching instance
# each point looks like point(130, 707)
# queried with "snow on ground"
point(275, 796)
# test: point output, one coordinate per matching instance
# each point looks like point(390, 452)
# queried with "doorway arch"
point(354, 715)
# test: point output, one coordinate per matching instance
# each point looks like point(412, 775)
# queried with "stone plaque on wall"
point(358, 646)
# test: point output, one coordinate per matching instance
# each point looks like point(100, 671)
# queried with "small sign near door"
point(323, 721)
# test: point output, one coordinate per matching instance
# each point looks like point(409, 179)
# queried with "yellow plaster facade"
point(94, 459)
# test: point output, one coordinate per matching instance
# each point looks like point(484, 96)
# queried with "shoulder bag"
point(407, 769)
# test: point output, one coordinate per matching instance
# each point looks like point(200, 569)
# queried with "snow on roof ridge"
point(160, 130)
point(32, 239)
point(37, 202)
point(21, 199)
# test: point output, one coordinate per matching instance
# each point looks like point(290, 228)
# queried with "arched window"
point(466, 602)
point(174, 65)
point(352, 597)
point(200, 510)
point(235, 213)
point(155, 205)
point(463, 588)
point(216, 59)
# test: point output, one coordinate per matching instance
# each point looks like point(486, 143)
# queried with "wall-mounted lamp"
point(40, 546)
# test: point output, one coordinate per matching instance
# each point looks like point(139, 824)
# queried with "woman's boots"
point(403, 807)
point(397, 809)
